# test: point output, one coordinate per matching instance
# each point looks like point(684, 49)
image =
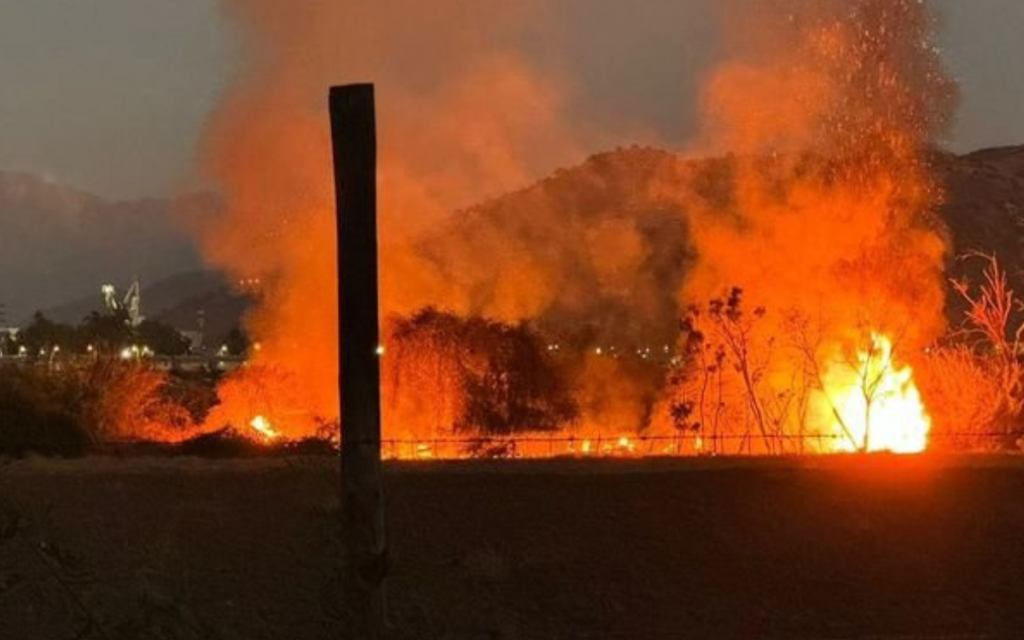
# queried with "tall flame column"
point(353, 133)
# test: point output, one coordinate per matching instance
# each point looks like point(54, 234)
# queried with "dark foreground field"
point(854, 548)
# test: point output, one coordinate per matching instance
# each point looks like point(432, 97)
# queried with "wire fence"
point(624, 446)
point(560, 445)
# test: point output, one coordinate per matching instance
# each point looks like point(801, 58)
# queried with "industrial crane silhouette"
point(131, 303)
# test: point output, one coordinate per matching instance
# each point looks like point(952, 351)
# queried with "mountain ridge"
point(606, 197)
point(58, 242)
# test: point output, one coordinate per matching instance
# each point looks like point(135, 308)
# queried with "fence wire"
point(558, 445)
point(600, 446)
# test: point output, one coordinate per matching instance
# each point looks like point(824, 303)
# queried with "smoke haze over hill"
point(58, 243)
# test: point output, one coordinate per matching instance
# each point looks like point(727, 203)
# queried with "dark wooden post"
point(353, 133)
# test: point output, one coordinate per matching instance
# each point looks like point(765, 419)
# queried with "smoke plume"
point(822, 211)
point(829, 110)
point(463, 116)
point(820, 207)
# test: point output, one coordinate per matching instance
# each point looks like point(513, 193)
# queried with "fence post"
point(365, 560)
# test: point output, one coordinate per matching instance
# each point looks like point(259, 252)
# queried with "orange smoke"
point(462, 115)
point(822, 214)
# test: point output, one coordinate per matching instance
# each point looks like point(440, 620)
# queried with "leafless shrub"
point(722, 393)
point(993, 333)
point(127, 401)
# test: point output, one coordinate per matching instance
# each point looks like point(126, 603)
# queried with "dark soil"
point(838, 548)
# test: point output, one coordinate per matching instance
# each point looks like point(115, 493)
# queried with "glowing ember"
point(625, 445)
point(264, 428)
point(875, 404)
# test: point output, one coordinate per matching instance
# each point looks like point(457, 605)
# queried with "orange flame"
point(264, 428)
point(842, 96)
point(875, 403)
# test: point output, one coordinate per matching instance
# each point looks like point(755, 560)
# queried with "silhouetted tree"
point(45, 334)
point(236, 342)
point(105, 332)
point(9, 343)
point(161, 338)
point(490, 377)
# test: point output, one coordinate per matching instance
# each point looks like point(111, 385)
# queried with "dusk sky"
point(110, 95)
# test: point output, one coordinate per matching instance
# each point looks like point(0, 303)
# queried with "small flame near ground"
point(264, 428)
point(876, 404)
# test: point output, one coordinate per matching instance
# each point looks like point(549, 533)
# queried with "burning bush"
point(964, 394)
point(120, 400)
point(65, 410)
point(976, 383)
point(445, 373)
point(824, 217)
point(752, 382)
point(722, 393)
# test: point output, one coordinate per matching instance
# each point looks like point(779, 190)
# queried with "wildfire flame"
point(876, 405)
point(264, 428)
point(819, 210)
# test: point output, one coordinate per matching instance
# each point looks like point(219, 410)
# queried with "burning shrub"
point(64, 411)
point(265, 401)
point(445, 373)
point(193, 392)
point(753, 382)
point(724, 392)
point(964, 395)
point(824, 214)
point(120, 400)
point(978, 382)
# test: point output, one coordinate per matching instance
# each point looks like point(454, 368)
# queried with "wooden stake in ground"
point(353, 133)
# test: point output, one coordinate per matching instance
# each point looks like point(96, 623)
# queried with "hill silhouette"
point(58, 243)
point(604, 243)
point(607, 239)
